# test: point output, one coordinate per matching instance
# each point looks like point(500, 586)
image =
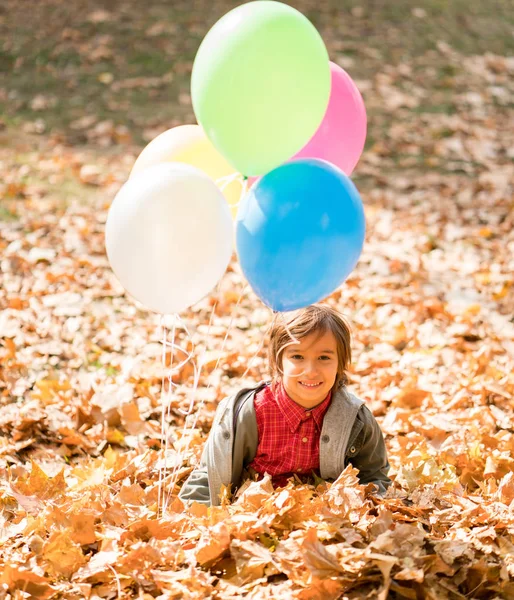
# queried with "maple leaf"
point(403, 540)
point(190, 581)
point(32, 504)
point(345, 496)
point(97, 568)
point(253, 561)
point(253, 493)
point(213, 544)
point(506, 488)
point(319, 560)
point(63, 555)
point(142, 556)
point(18, 578)
point(321, 589)
point(82, 528)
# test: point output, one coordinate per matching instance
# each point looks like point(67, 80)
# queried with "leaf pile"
point(431, 305)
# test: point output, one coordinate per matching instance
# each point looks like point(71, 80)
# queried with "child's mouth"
point(310, 385)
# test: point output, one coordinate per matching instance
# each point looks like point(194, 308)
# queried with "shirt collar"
point(294, 414)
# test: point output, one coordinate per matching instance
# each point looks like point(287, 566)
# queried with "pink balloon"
point(341, 136)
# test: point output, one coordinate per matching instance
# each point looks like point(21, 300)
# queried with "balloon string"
point(163, 413)
point(229, 330)
point(166, 397)
point(261, 345)
point(197, 374)
point(166, 492)
point(196, 381)
point(196, 377)
point(180, 454)
point(168, 404)
point(225, 181)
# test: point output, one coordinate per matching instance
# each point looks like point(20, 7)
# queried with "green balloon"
point(260, 84)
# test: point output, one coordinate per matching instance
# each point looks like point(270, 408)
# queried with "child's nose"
point(311, 368)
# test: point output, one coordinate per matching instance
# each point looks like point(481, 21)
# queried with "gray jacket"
point(350, 434)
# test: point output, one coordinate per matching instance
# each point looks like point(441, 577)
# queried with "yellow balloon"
point(189, 144)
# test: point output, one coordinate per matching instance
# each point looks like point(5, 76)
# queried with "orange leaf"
point(18, 578)
point(62, 554)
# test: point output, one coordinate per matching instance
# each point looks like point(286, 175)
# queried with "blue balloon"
point(299, 233)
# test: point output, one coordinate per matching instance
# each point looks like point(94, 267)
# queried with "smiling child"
point(304, 422)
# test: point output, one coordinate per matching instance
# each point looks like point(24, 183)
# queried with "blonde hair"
point(318, 318)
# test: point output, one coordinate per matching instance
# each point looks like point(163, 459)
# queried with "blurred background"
point(107, 77)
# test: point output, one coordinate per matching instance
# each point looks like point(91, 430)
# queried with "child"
point(304, 421)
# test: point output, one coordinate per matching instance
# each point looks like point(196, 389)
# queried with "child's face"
point(310, 368)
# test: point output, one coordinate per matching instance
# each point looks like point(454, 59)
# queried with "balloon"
point(189, 144)
point(340, 137)
point(260, 84)
point(169, 236)
point(299, 233)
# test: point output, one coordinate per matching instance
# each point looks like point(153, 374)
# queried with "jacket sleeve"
point(196, 486)
point(243, 431)
point(246, 438)
point(371, 457)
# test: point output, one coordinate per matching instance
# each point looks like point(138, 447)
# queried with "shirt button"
point(325, 439)
point(352, 449)
point(226, 435)
point(305, 440)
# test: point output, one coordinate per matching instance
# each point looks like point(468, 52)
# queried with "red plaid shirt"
point(288, 435)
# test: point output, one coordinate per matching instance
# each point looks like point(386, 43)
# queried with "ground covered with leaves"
point(430, 302)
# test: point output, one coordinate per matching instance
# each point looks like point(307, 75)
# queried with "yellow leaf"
point(213, 544)
point(83, 529)
point(40, 485)
point(115, 436)
point(106, 78)
point(33, 585)
point(48, 390)
point(62, 554)
point(410, 398)
point(473, 310)
point(485, 232)
point(503, 292)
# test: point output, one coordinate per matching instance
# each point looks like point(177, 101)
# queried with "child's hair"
point(287, 328)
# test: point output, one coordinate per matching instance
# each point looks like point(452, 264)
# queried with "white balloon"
point(169, 236)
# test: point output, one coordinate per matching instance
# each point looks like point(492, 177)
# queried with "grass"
point(7, 215)
point(82, 56)
point(65, 61)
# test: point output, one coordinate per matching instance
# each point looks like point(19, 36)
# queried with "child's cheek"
point(290, 369)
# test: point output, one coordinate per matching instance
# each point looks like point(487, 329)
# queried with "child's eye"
point(324, 357)
point(296, 357)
